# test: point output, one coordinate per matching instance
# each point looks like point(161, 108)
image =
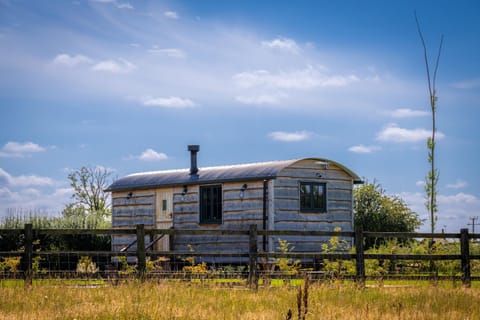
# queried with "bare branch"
point(425, 55)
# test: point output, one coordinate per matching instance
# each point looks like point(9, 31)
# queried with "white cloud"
point(289, 136)
point(453, 210)
point(467, 84)
point(19, 150)
point(113, 66)
point(171, 102)
point(459, 184)
point(63, 192)
point(284, 44)
point(116, 3)
point(308, 78)
point(363, 149)
point(171, 14)
point(71, 61)
point(149, 155)
point(169, 52)
point(408, 113)
point(24, 181)
point(29, 200)
point(264, 99)
point(393, 133)
point(420, 183)
point(124, 5)
point(119, 66)
point(459, 198)
point(17, 147)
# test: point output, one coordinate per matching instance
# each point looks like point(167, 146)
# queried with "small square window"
point(313, 196)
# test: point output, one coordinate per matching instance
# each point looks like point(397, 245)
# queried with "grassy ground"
point(170, 300)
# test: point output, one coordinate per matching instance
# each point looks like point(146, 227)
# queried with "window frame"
point(312, 208)
point(214, 190)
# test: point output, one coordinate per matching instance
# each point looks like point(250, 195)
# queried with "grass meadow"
point(172, 300)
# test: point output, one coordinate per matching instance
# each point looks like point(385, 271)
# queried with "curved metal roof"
point(241, 172)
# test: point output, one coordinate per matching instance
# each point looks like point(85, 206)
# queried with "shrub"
point(86, 266)
point(287, 265)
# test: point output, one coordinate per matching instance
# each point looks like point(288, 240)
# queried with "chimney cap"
point(194, 147)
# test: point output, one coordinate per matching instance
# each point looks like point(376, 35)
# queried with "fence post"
point(253, 251)
point(28, 253)
point(360, 260)
point(465, 253)
point(141, 253)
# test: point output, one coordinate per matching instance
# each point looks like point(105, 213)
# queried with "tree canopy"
point(377, 211)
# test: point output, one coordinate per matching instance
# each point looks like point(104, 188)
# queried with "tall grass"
point(193, 301)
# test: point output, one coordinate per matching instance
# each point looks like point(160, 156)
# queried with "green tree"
point(431, 180)
point(377, 211)
point(89, 186)
point(89, 210)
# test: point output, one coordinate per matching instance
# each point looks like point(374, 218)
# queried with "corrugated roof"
point(146, 180)
point(241, 172)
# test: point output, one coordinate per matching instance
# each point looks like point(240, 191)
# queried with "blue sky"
point(127, 85)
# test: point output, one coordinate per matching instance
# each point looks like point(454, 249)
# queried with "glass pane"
point(305, 199)
point(318, 196)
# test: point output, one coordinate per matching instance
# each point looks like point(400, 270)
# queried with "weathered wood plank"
point(292, 182)
point(320, 226)
point(135, 193)
point(249, 194)
point(211, 239)
point(133, 211)
point(133, 201)
point(186, 218)
point(339, 195)
point(242, 205)
point(134, 221)
point(317, 175)
point(313, 217)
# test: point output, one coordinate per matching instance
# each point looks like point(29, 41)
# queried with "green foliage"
point(126, 269)
point(56, 242)
point(157, 264)
point(78, 217)
point(198, 268)
point(10, 264)
point(89, 185)
point(86, 266)
point(441, 247)
point(287, 265)
point(194, 268)
point(36, 265)
point(377, 211)
point(337, 268)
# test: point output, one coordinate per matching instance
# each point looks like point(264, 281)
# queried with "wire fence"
point(458, 259)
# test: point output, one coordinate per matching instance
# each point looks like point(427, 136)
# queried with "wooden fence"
point(254, 256)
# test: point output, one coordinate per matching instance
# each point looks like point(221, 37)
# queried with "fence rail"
point(253, 255)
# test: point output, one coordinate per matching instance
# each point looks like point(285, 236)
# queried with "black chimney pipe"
point(193, 158)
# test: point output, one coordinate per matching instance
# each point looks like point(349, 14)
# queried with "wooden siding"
point(287, 214)
point(238, 214)
point(128, 211)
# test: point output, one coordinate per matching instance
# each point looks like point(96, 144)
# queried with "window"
point(313, 196)
point(211, 204)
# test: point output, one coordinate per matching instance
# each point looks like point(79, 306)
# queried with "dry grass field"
point(171, 300)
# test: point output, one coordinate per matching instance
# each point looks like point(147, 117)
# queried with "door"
point(164, 217)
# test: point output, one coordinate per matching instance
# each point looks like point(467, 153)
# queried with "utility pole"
point(473, 224)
